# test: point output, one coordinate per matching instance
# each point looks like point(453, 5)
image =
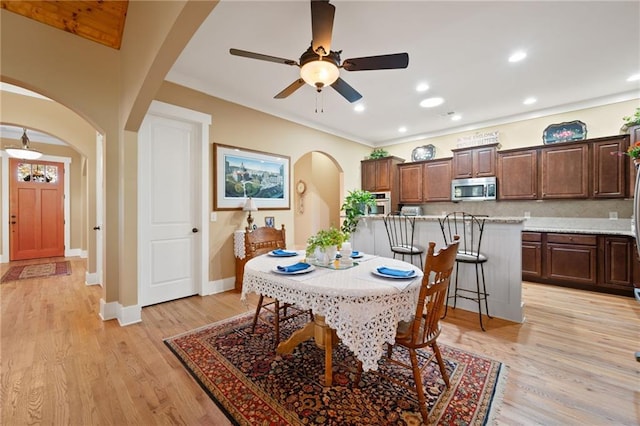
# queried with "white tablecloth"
point(361, 307)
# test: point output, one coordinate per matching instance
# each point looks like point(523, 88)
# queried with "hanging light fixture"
point(24, 153)
point(319, 71)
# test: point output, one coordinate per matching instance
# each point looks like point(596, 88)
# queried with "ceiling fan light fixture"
point(24, 153)
point(319, 73)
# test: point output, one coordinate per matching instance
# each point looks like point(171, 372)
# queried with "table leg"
point(324, 336)
point(328, 353)
point(299, 336)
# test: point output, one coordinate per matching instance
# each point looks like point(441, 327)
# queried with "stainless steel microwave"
point(477, 189)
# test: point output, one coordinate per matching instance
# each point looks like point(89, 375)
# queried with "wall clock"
point(425, 152)
point(301, 187)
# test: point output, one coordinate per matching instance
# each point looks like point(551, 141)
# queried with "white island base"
point(501, 243)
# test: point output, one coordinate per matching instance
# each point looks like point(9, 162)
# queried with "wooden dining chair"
point(257, 242)
point(423, 330)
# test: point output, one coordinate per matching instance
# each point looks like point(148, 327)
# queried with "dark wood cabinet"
point(593, 168)
point(564, 172)
point(604, 263)
point(517, 174)
point(618, 262)
point(411, 183)
point(531, 255)
point(634, 137)
point(425, 181)
point(609, 168)
point(436, 180)
point(474, 162)
point(380, 174)
point(571, 257)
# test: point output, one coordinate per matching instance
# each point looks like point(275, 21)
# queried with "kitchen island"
point(501, 243)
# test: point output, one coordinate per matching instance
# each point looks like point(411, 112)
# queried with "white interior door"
point(99, 225)
point(169, 209)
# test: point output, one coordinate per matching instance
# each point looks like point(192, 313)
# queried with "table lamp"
point(250, 206)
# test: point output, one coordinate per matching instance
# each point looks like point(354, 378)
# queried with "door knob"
point(194, 230)
point(96, 228)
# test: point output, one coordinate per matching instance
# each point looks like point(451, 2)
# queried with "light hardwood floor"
point(570, 363)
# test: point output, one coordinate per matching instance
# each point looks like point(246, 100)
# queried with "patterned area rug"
point(255, 386)
point(38, 270)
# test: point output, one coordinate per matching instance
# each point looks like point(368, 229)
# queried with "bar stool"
point(401, 230)
point(470, 229)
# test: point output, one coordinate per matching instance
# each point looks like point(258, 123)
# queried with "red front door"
point(36, 206)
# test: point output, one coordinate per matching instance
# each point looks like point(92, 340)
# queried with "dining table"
point(354, 303)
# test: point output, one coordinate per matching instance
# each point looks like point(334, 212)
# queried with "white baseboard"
point(72, 253)
point(218, 286)
point(91, 278)
point(126, 315)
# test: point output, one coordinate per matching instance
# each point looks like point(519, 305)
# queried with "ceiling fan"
point(319, 65)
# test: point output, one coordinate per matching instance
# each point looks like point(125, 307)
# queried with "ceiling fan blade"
point(322, 13)
point(260, 56)
point(346, 90)
point(382, 62)
point(290, 89)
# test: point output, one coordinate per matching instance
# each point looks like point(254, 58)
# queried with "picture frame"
point(568, 131)
point(240, 173)
point(270, 221)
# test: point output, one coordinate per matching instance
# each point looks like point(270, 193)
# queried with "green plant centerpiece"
point(631, 120)
point(378, 153)
point(355, 205)
point(325, 244)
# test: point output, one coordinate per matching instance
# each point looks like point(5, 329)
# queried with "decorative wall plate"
point(565, 132)
point(425, 152)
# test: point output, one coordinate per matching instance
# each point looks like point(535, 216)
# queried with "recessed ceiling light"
point(422, 87)
point(634, 77)
point(517, 56)
point(530, 101)
point(456, 117)
point(402, 129)
point(431, 102)
point(358, 108)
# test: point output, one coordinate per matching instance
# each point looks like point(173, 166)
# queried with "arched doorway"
point(318, 207)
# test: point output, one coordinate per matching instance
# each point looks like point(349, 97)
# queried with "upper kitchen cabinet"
point(436, 180)
point(425, 181)
point(380, 174)
point(411, 183)
point(474, 162)
point(634, 137)
point(565, 171)
point(518, 174)
point(609, 167)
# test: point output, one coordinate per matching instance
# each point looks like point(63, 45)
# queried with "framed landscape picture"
point(242, 173)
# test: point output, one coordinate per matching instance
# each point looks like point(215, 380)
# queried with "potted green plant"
point(631, 120)
point(355, 205)
point(378, 153)
point(325, 244)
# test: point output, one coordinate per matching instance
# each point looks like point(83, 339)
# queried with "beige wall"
point(112, 89)
point(108, 88)
point(600, 121)
point(56, 120)
point(243, 127)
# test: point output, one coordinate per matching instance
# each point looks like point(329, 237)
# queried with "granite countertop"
point(579, 225)
point(571, 225)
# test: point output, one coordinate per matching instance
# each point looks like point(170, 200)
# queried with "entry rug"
point(39, 270)
point(253, 385)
